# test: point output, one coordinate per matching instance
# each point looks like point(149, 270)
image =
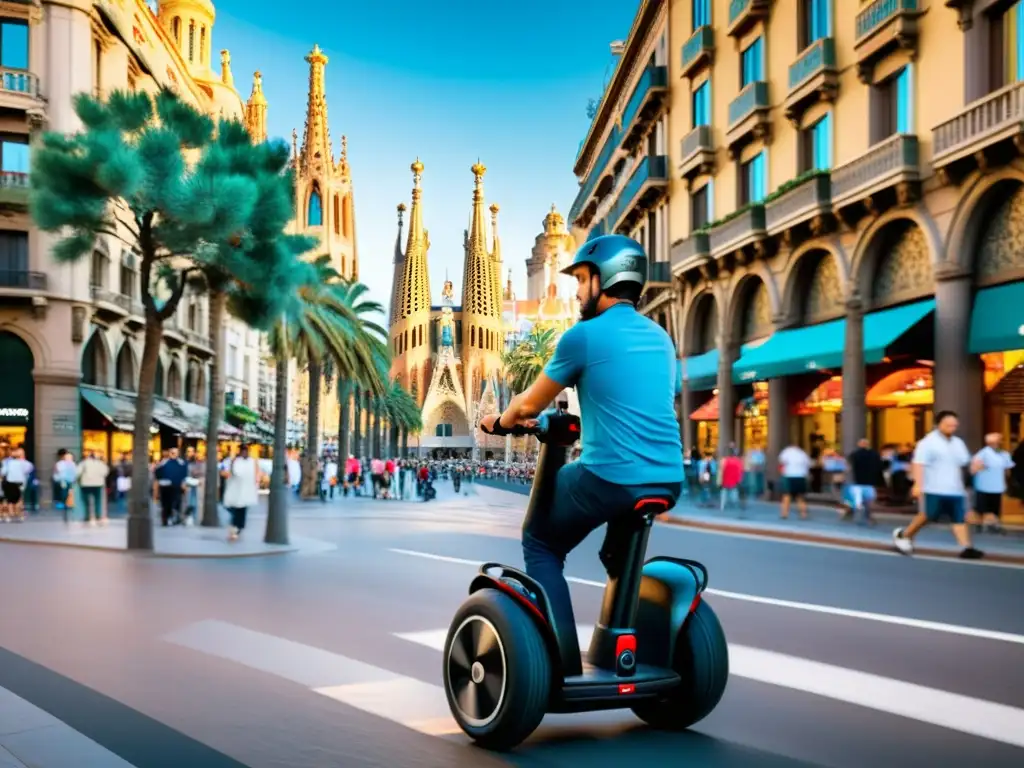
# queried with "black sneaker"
point(971, 554)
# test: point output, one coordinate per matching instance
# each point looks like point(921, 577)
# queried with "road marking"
point(35, 737)
point(377, 691)
point(976, 717)
point(882, 618)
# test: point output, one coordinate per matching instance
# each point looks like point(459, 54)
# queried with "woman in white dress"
point(241, 490)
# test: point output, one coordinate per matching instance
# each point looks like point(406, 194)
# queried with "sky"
point(446, 82)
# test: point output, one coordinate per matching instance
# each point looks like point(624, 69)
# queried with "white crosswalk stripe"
point(422, 706)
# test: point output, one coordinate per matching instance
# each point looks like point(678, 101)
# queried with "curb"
point(824, 538)
point(156, 555)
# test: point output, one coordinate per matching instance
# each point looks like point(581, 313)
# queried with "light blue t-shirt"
point(992, 477)
point(623, 366)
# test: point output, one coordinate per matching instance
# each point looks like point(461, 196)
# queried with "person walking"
point(992, 464)
point(241, 490)
point(92, 480)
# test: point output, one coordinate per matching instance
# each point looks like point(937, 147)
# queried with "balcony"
point(200, 341)
point(807, 198)
point(749, 116)
point(14, 189)
point(881, 27)
point(743, 228)
point(993, 120)
point(743, 14)
point(691, 253)
point(646, 186)
point(647, 98)
point(698, 51)
point(22, 280)
point(697, 150)
point(598, 182)
point(812, 76)
point(659, 273)
point(109, 302)
point(19, 90)
point(891, 164)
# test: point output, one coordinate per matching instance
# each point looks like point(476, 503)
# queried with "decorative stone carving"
point(78, 321)
point(905, 263)
point(1001, 243)
point(757, 314)
point(824, 288)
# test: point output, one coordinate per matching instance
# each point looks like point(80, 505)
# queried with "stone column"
point(854, 415)
point(726, 394)
point(959, 376)
point(778, 429)
point(686, 427)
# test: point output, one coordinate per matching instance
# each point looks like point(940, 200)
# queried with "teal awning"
point(997, 321)
point(820, 347)
point(700, 371)
point(119, 413)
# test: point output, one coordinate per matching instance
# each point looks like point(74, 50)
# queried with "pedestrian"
point(193, 482)
point(729, 483)
point(92, 479)
point(992, 464)
point(241, 490)
point(794, 466)
point(15, 473)
point(865, 467)
point(938, 468)
point(65, 472)
point(169, 487)
point(123, 482)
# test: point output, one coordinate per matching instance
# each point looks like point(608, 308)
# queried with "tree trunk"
point(280, 491)
point(405, 443)
point(344, 423)
point(140, 514)
point(211, 512)
point(393, 448)
point(375, 433)
point(309, 489)
point(357, 424)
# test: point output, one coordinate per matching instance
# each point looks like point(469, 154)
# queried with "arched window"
point(125, 371)
point(337, 214)
point(176, 29)
point(316, 209)
point(158, 384)
point(472, 335)
point(202, 45)
point(191, 41)
point(346, 216)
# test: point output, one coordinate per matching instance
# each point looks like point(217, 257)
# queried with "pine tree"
point(154, 173)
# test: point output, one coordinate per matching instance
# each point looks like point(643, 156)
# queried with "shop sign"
point(14, 413)
point(65, 422)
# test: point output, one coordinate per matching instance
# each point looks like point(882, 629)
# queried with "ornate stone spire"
point(225, 69)
point(399, 256)
point(495, 250)
point(415, 296)
point(478, 292)
point(316, 141)
point(343, 169)
point(398, 273)
point(256, 110)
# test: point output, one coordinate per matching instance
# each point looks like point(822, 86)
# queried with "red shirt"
point(732, 471)
point(389, 467)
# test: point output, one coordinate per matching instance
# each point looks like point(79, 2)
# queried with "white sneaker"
point(903, 545)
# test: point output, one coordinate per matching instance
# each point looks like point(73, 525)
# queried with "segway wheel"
point(497, 672)
point(702, 662)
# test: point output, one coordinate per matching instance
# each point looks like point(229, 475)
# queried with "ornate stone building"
point(325, 210)
point(444, 354)
point(845, 207)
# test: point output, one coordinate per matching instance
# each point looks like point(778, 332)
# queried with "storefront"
point(17, 395)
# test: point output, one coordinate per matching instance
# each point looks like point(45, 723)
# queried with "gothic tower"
point(256, 110)
point(482, 340)
point(323, 188)
point(553, 250)
point(190, 25)
point(410, 300)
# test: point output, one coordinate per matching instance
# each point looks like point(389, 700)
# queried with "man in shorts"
point(939, 462)
point(991, 465)
point(794, 466)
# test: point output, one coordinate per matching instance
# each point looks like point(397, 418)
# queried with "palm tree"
point(404, 416)
point(323, 320)
point(525, 361)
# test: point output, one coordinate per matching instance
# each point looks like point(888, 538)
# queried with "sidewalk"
point(823, 526)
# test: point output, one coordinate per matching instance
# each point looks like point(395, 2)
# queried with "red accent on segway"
point(647, 502)
point(695, 603)
point(574, 427)
point(521, 598)
point(625, 643)
point(627, 688)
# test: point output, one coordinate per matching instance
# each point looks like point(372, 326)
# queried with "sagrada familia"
point(450, 356)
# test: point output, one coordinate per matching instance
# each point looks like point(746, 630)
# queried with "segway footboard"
point(670, 591)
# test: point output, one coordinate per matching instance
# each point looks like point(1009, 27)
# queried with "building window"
point(316, 210)
point(14, 44)
point(753, 180)
point(752, 63)
point(191, 41)
point(245, 397)
point(1006, 46)
point(816, 146)
point(701, 14)
point(202, 45)
point(99, 269)
point(443, 430)
point(127, 281)
point(14, 156)
point(176, 29)
point(892, 106)
point(13, 254)
point(702, 104)
point(814, 21)
point(700, 208)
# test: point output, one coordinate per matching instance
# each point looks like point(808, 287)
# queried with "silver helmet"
point(616, 258)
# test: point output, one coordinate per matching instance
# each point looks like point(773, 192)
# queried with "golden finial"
point(479, 169)
point(316, 56)
point(494, 209)
point(225, 67)
point(401, 207)
point(417, 167)
point(553, 209)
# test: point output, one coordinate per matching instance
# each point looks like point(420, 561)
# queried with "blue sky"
point(475, 79)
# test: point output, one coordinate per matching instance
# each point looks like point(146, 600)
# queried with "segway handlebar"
point(554, 425)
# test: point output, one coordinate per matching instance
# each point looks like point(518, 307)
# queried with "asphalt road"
point(840, 658)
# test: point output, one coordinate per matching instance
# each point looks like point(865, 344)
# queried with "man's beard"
point(588, 310)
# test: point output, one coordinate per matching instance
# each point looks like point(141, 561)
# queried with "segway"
point(657, 649)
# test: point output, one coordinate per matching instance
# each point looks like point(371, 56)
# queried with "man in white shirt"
point(938, 467)
point(794, 466)
point(16, 471)
point(991, 464)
